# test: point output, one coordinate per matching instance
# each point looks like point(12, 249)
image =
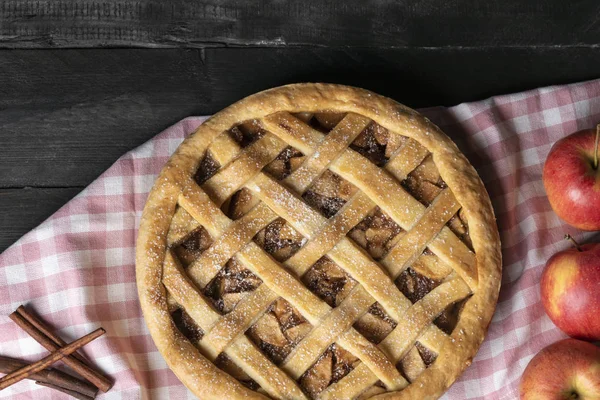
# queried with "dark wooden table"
point(82, 82)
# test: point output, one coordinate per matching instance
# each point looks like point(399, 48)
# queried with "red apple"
point(572, 179)
point(568, 369)
point(570, 289)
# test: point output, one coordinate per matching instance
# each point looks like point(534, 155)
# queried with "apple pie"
point(318, 241)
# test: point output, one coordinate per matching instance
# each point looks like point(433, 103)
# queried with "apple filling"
point(377, 233)
point(285, 163)
point(246, 133)
point(328, 193)
point(186, 325)
point(414, 285)
point(331, 366)
point(427, 355)
point(192, 245)
point(279, 239)
point(231, 284)
point(323, 121)
point(328, 281)
point(207, 168)
point(377, 144)
point(425, 182)
point(279, 330)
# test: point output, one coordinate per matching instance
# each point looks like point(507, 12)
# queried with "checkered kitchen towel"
point(77, 268)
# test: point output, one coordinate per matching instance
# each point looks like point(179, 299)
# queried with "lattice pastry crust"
point(318, 241)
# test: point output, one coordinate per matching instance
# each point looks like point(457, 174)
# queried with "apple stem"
point(596, 146)
point(577, 246)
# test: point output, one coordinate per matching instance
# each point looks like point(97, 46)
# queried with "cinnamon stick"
point(99, 380)
point(50, 376)
point(71, 393)
point(42, 327)
point(25, 372)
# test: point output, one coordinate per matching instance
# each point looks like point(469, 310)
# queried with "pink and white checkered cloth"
point(77, 268)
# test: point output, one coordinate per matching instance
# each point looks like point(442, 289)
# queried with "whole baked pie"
point(318, 241)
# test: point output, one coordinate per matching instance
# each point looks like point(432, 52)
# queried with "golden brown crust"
point(197, 372)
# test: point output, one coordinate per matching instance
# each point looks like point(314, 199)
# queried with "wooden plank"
point(24, 209)
point(66, 115)
point(415, 77)
point(358, 23)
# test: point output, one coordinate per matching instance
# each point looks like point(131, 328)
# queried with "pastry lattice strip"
point(305, 231)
